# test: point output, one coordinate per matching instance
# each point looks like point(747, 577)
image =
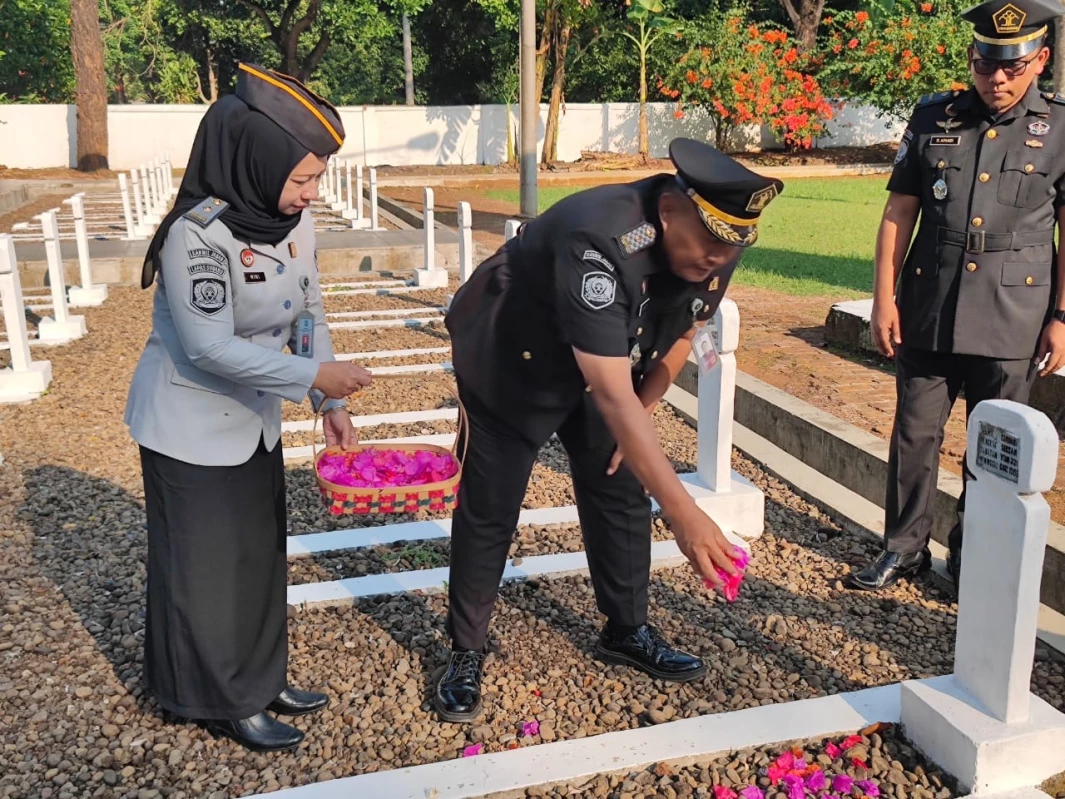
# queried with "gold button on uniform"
point(654, 354)
point(639, 331)
point(1028, 280)
point(992, 133)
point(941, 164)
point(526, 355)
point(971, 266)
point(588, 389)
point(984, 177)
point(977, 221)
point(1029, 167)
point(917, 270)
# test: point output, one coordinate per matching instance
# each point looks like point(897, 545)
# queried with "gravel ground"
point(75, 722)
point(893, 765)
point(390, 338)
point(436, 298)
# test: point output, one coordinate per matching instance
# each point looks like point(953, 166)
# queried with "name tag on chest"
point(305, 334)
point(945, 141)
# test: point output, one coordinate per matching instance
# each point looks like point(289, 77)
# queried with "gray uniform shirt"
point(213, 372)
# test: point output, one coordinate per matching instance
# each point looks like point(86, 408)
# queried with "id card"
point(705, 351)
point(305, 334)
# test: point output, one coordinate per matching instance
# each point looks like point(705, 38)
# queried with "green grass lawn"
point(817, 238)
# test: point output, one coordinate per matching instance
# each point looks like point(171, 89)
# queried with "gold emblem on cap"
point(1008, 19)
point(761, 198)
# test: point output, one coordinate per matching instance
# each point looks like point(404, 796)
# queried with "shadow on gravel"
point(90, 541)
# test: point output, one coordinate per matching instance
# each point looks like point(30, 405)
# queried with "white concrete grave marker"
point(25, 379)
point(982, 723)
point(466, 267)
point(374, 220)
point(87, 294)
point(168, 176)
point(157, 196)
point(347, 180)
point(727, 497)
point(355, 204)
point(127, 209)
point(151, 216)
point(510, 230)
point(338, 194)
point(430, 276)
point(143, 228)
point(63, 327)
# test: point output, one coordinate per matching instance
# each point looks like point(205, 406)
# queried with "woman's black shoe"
point(458, 694)
point(646, 650)
point(292, 702)
point(259, 733)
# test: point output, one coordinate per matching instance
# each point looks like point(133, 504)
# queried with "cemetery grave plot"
point(74, 555)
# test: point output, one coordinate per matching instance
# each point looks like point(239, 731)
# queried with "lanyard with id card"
point(305, 325)
point(705, 351)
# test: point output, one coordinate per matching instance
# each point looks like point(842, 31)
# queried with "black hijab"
point(244, 158)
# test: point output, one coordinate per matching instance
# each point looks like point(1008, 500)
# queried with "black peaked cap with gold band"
point(1009, 29)
point(309, 119)
point(730, 198)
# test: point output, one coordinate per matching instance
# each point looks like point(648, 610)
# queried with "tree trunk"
point(1059, 57)
point(547, 35)
point(87, 49)
point(558, 79)
point(805, 19)
point(408, 62)
point(644, 147)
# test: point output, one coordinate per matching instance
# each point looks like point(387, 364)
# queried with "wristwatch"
point(1060, 316)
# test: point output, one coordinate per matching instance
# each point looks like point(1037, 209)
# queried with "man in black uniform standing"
point(578, 326)
point(979, 303)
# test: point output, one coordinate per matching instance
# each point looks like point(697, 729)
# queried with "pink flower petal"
point(832, 750)
point(752, 792)
point(470, 751)
point(530, 729)
point(723, 792)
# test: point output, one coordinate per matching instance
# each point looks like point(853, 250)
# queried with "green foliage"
point(890, 58)
point(36, 65)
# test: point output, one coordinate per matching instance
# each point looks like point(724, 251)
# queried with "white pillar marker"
point(127, 210)
point(982, 723)
point(510, 230)
point(354, 211)
point(374, 221)
point(25, 379)
point(338, 195)
point(430, 276)
point(143, 228)
point(63, 327)
point(150, 215)
point(466, 267)
point(347, 180)
point(158, 204)
point(87, 294)
point(169, 172)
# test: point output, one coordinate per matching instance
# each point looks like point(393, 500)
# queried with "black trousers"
point(216, 637)
point(927, 385)
point(614, 511)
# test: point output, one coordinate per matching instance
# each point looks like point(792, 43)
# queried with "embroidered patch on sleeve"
point(206, 269)
point(210, 254)
point(208, 295)
point(904, 146)
point(597, 257)
point(598, 290)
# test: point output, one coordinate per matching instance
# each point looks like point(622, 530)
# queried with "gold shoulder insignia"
point(206, 212)
point(639, 238)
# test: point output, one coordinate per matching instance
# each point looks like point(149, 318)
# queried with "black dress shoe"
point(646, 650)
point(260, 733)
point(954, 566)
point(292, 702)
point(458, 694)
point(889, 568)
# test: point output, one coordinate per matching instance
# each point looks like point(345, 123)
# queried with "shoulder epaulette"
point(938, 97)
point(207, 211)
point(639, 238)
point(1055, 98)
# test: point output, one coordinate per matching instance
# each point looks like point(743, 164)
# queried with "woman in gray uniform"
point(237, 282)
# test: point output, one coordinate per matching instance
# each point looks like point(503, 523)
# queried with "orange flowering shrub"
point(890, 61)
point(746, 73)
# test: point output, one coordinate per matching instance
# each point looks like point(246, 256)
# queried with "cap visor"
point(1006, 52)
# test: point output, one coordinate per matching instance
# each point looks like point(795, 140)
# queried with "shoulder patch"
point(937, 97)
point(639, 238)
point(598, 290)
point(206, 212)
point(597, 257)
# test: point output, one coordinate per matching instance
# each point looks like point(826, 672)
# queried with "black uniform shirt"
point(979, 277)
point(589, 273)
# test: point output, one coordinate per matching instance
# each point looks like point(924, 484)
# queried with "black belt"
point(977, 241)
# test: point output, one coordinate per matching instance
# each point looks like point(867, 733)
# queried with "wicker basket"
point(442, 496)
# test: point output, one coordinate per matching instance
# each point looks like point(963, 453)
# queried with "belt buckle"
point(975, 242)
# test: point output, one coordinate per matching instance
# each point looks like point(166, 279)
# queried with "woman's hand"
point(339, 431)
point(338, 379)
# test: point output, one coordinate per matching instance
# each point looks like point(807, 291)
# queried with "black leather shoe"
point(954, 566)
point(260, 733)
point(646, 650)
point(292, 702)
point(458, 694)
point(889, 568)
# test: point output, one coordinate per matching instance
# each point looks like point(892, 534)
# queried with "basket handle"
point(464, 420)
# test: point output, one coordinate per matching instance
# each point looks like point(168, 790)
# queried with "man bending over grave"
point(577, 326)
point(975, 301)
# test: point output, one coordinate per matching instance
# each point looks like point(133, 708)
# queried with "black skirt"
point(216, 636)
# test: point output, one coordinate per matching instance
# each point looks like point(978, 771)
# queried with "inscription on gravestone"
point(998, 452)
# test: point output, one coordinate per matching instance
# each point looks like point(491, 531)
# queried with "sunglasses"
point(989, 66)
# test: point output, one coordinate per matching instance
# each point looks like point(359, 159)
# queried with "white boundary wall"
point(40, 136)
